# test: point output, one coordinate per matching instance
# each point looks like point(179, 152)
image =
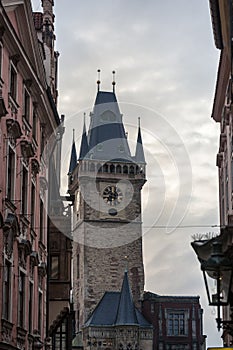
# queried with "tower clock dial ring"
point(112, 195)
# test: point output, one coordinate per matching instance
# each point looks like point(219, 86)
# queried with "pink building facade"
point(29, 123)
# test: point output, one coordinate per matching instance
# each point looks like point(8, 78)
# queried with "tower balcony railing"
point(118, 170)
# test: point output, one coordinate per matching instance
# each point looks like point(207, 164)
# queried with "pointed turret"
point(84, 143)
point(139, 155)
point(126, 314)
point(73, 157)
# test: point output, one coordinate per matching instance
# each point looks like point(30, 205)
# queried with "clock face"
point(112, 195)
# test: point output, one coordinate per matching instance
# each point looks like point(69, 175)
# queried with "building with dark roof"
point(117, 323)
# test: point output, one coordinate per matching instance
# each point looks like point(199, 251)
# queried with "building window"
point(33, 205)
point(55, 267)
point(59, 341)
point(41, 220)
point(7, 290)
point(13, 81)
point(24, 191)
point(40, 302)
point(21, 302)
point(10, 174)
point(34, 124)
point(176, 324)
point(26, 105)
point(30, 308)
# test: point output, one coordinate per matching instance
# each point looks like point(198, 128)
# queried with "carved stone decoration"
point(42, 269)
point(43, 184)
point(37, 342)
point(35, 166)
point(26, 149)
point(34, 258)
point(25, 248)
point(10, 230)
point(21, 338)
point(13, 128)
point(7, 331)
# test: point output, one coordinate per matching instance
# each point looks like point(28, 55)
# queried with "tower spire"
point(139, 155)
point(84, 143)
point(73, 157)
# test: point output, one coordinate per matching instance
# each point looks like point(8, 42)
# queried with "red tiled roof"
point(38, 20)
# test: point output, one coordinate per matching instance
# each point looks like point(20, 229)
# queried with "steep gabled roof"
point(117, 309)
point(106, 135)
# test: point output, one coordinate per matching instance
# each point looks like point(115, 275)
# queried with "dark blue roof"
point(105, 132)
point(105, 312)
point(105, 97)
point(139, 155)
point(106, 135)
point(117, 309)
point(84, 144)
point(126, 313)
point(73, 158)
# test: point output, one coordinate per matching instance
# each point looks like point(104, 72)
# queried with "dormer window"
point(100, 147)
point(121, 148)
point(108, 117)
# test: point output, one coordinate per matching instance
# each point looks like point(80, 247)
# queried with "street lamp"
point(218, 268)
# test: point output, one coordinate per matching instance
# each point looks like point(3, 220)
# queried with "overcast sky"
point(166, 63)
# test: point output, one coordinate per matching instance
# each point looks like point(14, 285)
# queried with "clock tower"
point(106, 181)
